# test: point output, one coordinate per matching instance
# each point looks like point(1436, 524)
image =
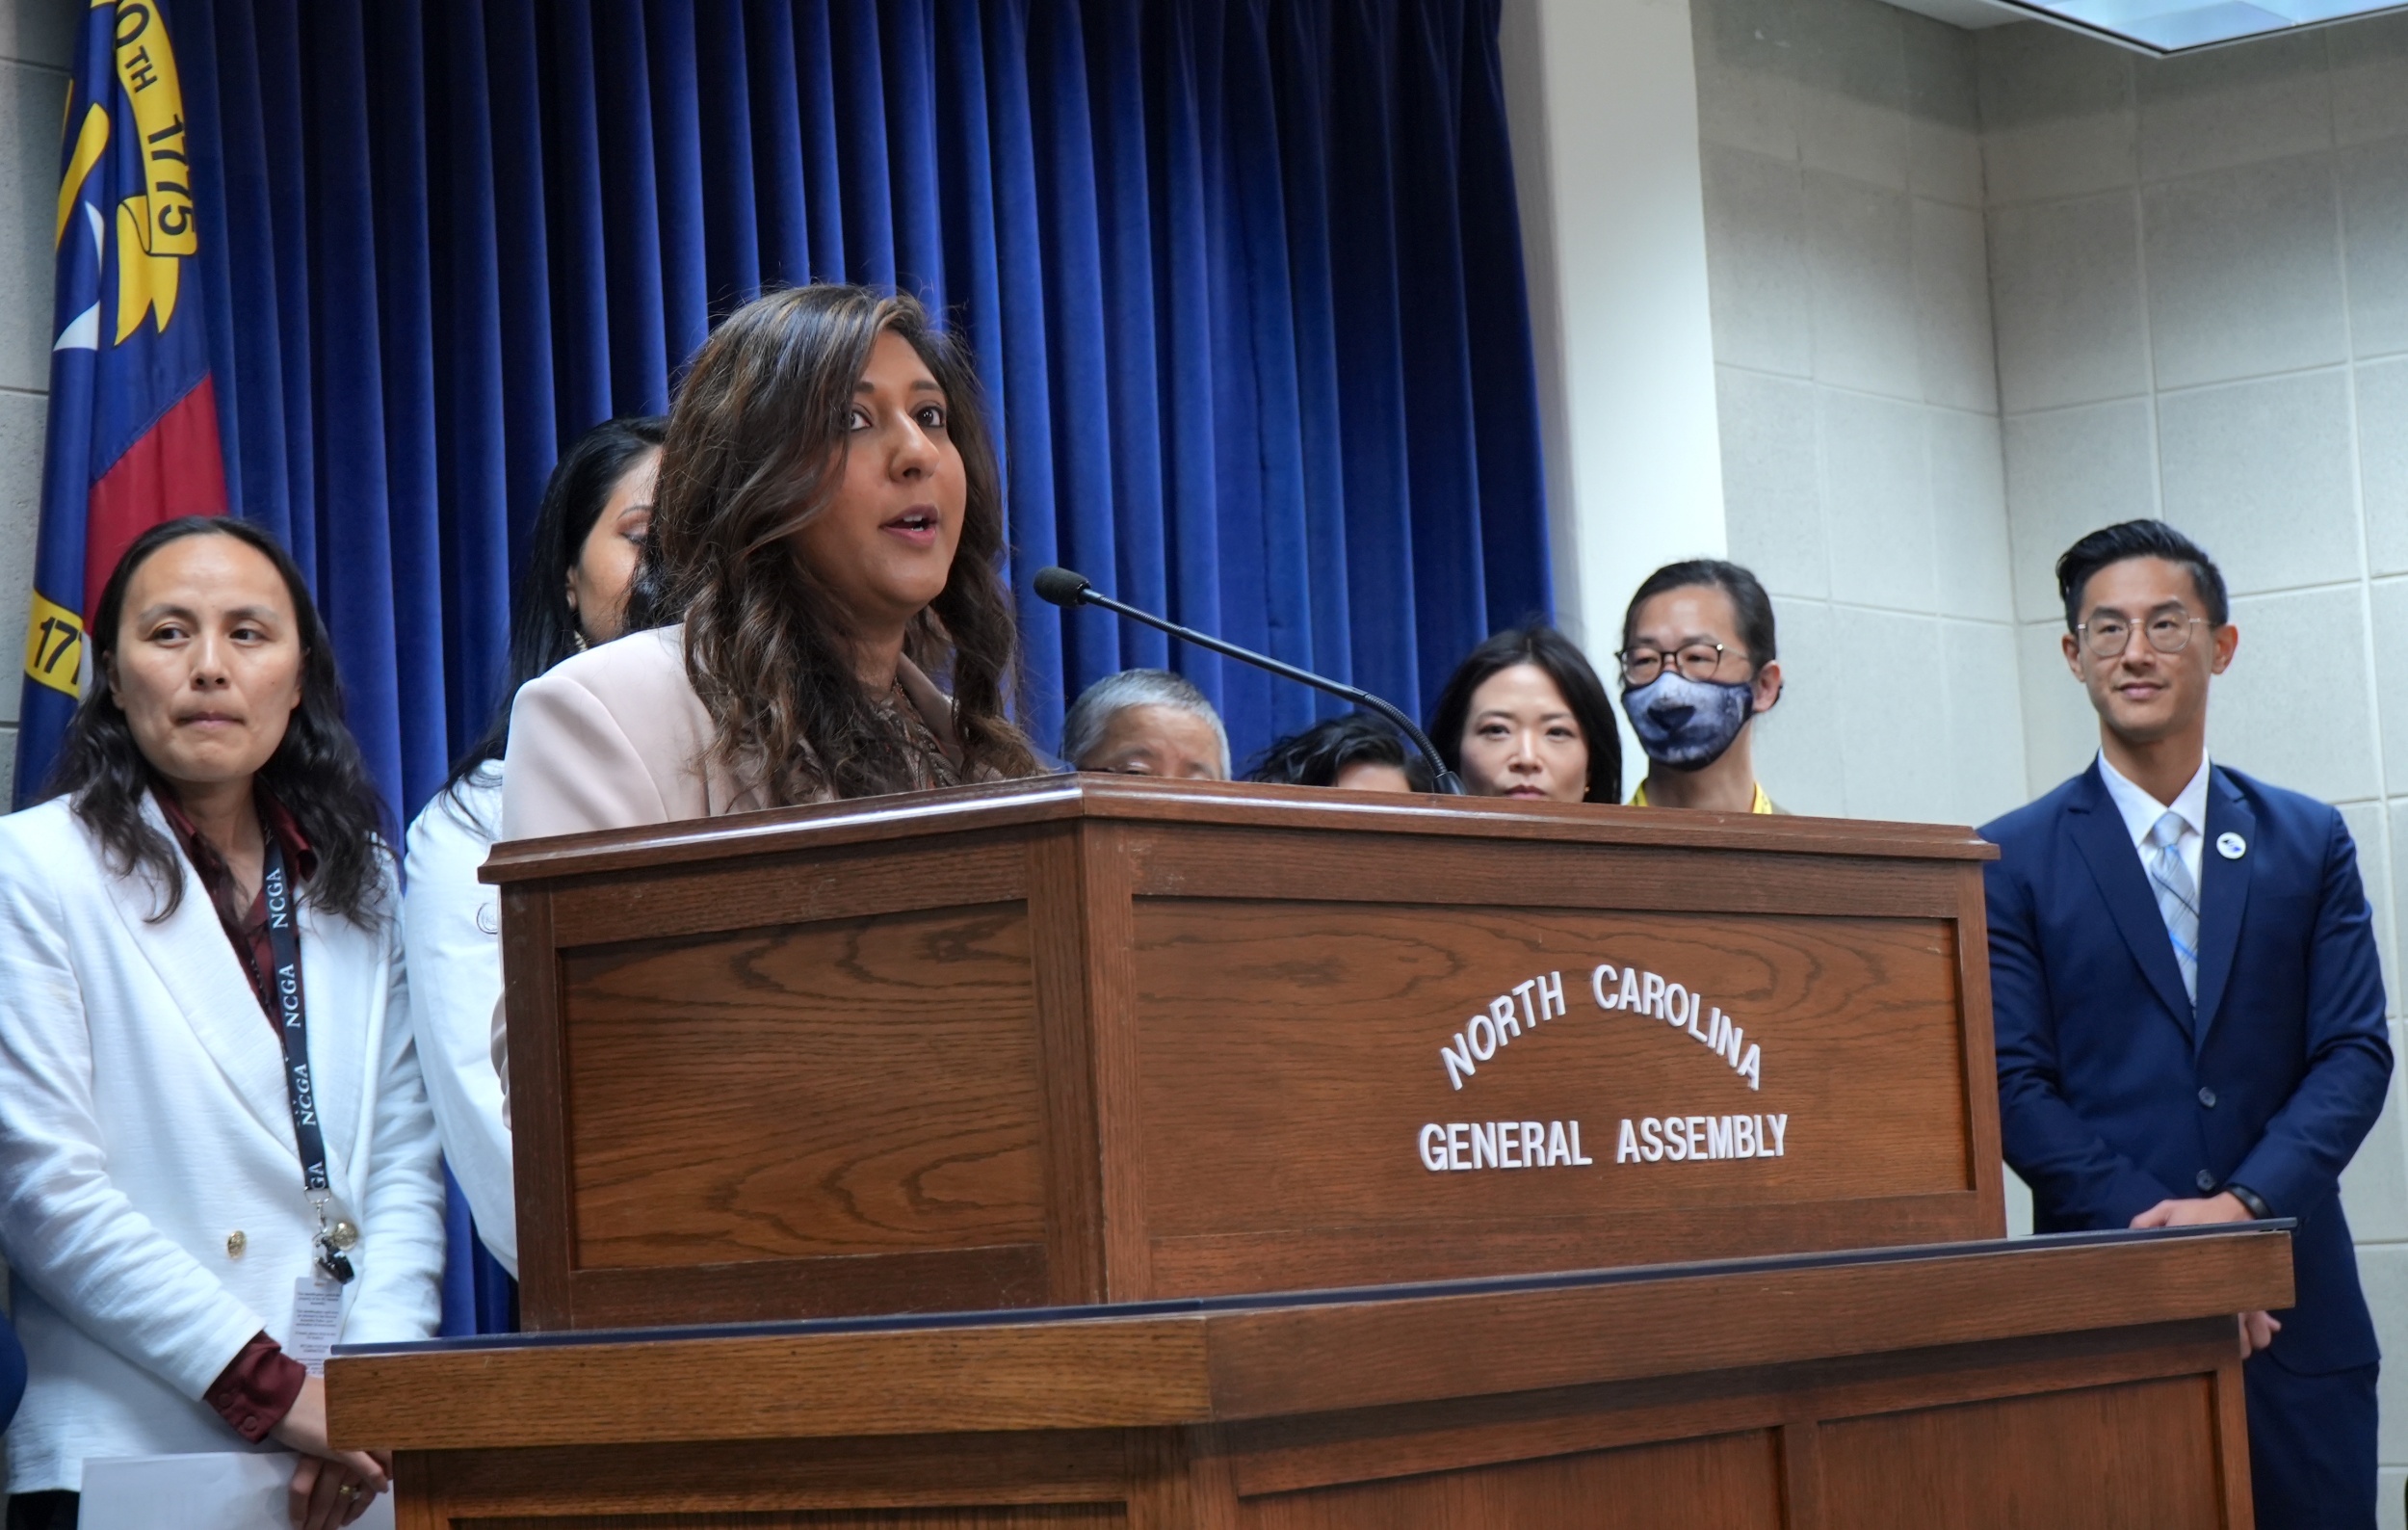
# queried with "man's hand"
point(2257, 1328)
point(317, 1499)
point(2257, 1331)
point(2222, 1206)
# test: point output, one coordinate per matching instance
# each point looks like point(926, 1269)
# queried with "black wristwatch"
point(2248, 1199)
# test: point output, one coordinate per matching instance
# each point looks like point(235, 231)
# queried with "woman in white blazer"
point(573, 594)
point(176, 1267)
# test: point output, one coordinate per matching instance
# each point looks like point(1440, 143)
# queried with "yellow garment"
point(1762, 804)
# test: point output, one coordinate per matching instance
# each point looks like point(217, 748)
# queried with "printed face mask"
point(1688, 724)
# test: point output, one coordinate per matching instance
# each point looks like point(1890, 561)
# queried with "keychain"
point(334, 1241)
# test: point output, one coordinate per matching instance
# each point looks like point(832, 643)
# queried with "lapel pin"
point(2231, 846)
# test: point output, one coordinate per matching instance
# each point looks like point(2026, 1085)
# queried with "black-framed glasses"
point(1695, 661)
point(2167, 629)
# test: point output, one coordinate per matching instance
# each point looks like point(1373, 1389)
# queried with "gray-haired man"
point(1147, 723)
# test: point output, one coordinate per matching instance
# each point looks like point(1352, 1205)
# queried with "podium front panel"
point(2078, 1382)
point(1090, 1040)
point(1336, 1103)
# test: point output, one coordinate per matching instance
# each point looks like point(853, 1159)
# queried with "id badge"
point(317, 1320)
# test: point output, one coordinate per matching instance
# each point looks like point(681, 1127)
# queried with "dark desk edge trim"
point(1061, 798)
point(1196, 1306)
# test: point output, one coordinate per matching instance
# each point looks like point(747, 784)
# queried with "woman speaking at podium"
point(827, 519)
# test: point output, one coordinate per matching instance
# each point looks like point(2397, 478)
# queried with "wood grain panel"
point(1430, 1249)
point(1981, 1061)
point(1305, 1358)
point(1119, 1144)
point(2232, 1438)
point(1279, 1454)
point(1291, 1053)
point(844, 882)
point(1284, 1359)
point(1079, 906)
point(1179, 1480)
point(539, 1099)
point(1037, 1516)
point(1857, 1410)
point(1800, 1444)
point(1035, 1376)
point(2141, 1454)
point(773, 1039)
point(1287, 864)
point(1018, 805)
point(1055, 1466)
point(979, 1280)
point(859, 1085)
point(1726, 1482)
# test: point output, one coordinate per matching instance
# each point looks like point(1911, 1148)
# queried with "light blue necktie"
point(2178, 897)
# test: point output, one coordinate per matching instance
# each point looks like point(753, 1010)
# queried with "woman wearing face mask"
point(216, 1154)
point(1698, 665)
point(827, 514)
point(1525, 716)
point(573, 595)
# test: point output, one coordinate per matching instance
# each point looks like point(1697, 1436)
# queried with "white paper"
point(229, 1491)
point(317, 1322)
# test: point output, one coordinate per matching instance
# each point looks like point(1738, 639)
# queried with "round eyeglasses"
point(2107, 633)
point(1695, 661)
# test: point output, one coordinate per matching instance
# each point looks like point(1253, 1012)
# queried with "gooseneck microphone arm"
point(1062, 588)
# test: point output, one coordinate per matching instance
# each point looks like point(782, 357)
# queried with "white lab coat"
point(143, 1121)
point(450, 929)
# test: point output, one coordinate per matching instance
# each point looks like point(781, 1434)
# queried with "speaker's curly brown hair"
point(756, 447)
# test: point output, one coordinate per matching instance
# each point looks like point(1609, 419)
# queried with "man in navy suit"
point(2190, 1010)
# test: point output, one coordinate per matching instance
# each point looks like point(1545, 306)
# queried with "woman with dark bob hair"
point(828, 520)
point(216, 1153)
point(573, 594)
point(1353, 753)
point(1525, 716)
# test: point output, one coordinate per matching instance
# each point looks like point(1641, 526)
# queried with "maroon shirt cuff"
point(258, 1388)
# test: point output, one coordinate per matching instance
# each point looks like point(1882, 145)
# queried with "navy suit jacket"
point(2115, 1093)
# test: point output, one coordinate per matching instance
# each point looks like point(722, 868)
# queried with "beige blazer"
point(616, 737)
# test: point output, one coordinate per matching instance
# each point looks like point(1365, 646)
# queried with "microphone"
point(1062, 588)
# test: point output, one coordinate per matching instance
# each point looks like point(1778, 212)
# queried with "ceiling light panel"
point(2177, 26)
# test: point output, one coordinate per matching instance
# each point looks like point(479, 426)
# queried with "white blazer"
point(143, 1122)
point(451, 931)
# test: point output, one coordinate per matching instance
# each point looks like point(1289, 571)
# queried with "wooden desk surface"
point(1065, 798)
point(1230, 1359)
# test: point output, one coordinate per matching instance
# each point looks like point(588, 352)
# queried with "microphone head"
point(1060, 587)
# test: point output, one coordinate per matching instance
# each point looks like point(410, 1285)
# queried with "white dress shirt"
point(2141, 812)
point(451, 930)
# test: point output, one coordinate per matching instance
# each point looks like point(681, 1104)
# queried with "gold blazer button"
point(235, 1244)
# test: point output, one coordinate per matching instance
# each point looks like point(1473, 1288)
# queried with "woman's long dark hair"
point(756, 446)
point(316, 772)
point(543, 628)
point(1541, 644)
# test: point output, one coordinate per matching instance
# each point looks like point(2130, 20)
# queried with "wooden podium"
point(1196, 1055)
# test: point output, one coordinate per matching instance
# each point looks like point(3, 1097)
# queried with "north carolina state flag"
point(133, 420)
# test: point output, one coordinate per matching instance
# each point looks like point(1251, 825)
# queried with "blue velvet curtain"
point(1242, 280)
